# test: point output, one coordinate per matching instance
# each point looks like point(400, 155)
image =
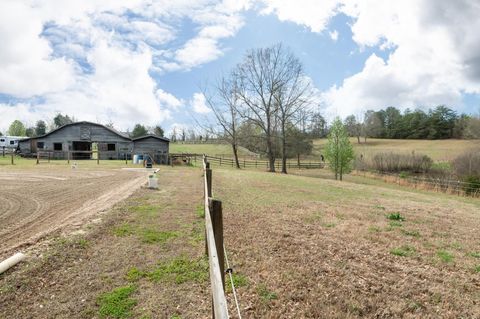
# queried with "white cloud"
point(95, 59)
point(168, 100)
point(435, 48)
point(314, 14)
point(333, 35)
point(198, 103)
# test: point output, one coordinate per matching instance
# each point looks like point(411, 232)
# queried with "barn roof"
point(79, 123)
point(151, 135)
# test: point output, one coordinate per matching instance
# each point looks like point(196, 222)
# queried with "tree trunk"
point(271, 155)
point(298, 160)
point(235, 154)
point(284, 150)
point(358, 139)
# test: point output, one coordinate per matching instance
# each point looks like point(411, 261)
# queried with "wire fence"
point(443, 185)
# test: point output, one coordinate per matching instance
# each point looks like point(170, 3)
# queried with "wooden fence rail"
point(214, 245)
point(244, 163)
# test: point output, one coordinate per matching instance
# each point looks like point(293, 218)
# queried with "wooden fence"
point(214, 245)
point(70, 155)
point(244, 163)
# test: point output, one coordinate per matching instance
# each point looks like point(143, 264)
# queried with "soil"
point(35, 203)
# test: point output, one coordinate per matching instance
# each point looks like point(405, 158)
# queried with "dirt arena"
point(37, 202)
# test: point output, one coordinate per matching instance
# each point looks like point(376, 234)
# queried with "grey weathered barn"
point(78, 140)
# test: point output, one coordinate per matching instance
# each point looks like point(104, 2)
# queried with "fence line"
point(449, 186)
point(214, 245)
point(222, 161)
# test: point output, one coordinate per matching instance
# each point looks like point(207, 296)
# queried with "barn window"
point(40, 144)
point(57, 146)
point(111, 147)
point(12, 142)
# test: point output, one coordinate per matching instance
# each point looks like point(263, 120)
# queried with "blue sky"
point(143, 61)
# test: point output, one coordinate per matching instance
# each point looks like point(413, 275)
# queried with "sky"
point(147, 61)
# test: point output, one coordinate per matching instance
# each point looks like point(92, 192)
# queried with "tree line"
point(438, 123)
point(17, 128)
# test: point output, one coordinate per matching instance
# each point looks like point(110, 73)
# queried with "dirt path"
point(36, 203)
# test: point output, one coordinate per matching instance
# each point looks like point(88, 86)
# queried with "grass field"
point(210, 149)
point(300, 247)
point(438, 150)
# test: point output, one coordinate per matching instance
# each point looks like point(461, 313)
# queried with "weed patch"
point(413, 233)
point(395, 223)
point(200, 211)
point(134, 274)
point(477, 268)
point(238, 281)
point(151, 236)
point(124, 230)
point(117, 303)
point(266, 294)
point(445, 256)
point(180, 270)
point(474, 254)
point(403, 251)
point(396, 216)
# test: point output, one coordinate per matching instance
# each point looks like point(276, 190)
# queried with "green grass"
point(413, 233)
point(395, 216)
point(180, 270)
point(124, 230)
point(474, 254)
point(395, 223)
point(477, 268)
point(239, 280)
point(117, 303)
point(266, 294)
point(146, 210)
point(200, 211)
point(151, 236)
point(403, 251)
point(134, 274)
point(445, 256)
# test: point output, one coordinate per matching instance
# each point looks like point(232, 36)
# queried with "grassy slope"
point(210, 149)
point(438, 150)
point(301, 247)
point(287, 234)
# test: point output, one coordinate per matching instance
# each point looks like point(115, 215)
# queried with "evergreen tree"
point(138, 130)
point(339, 150)
point(40, 128)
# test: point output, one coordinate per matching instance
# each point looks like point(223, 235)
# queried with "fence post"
point(68, 157)
point(208, 174)
point(98, 157)
point(38, 157)
point(12, 158)
point(244, 163)
point(216, 216)
point(3, 151)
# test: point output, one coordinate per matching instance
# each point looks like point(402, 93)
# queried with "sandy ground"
point(35, 203)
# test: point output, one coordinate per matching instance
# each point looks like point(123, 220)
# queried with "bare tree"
point(225, 106)
point(263, 89)
point(292, 95)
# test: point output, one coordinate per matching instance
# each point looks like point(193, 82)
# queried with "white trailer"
point(10, 142)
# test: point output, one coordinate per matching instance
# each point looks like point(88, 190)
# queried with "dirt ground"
point(300, 247)
point(35, 203)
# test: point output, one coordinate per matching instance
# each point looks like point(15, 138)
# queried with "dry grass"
point(300, 247)
point(327, 249)
point(438, 150)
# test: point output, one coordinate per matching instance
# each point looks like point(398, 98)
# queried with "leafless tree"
point(293, 94)
point(224, 103)
point(271, 88)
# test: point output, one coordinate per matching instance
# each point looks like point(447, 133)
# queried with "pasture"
point(438, 150)
point(300, 246)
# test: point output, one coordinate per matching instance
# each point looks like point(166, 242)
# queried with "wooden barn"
point(81, 140)
point(154, 146)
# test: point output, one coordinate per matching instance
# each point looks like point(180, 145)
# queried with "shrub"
point(467, 164)
point(395, 163)
point(472, 185)
point(396, 216)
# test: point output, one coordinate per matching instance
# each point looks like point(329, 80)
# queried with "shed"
point(154, 146)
